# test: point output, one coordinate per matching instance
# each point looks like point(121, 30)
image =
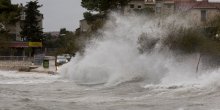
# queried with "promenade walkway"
point(24, 64)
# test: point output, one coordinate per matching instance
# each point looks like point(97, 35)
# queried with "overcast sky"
point(61, 13)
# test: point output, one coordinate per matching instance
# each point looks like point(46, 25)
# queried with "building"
point(158, 6)
point(200, 12)
point(89, 26)
point(19, 45)
point(84, 26)
point(161, 6)
point(134, 5)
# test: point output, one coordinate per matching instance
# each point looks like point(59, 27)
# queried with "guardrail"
point(15, 58)
point(36, 60)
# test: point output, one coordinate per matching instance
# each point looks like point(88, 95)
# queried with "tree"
point(63, 31)
point(30, 28)
point(63, 37)
point(102, 6)
point(4, 42)
point(4, 39)
point(9, 12)
point(8, 15)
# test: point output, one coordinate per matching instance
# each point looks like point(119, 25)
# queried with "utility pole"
point(197, 67)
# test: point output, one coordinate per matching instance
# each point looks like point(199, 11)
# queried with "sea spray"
point(118, 56)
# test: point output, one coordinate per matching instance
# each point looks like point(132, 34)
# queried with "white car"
point(61, 60)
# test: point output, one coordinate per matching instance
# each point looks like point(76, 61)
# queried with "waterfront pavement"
point(13, 65)
point(40, 69)
point(28, 66)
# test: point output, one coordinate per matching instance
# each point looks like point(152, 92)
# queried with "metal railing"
point(36, 60)
point(15, 58)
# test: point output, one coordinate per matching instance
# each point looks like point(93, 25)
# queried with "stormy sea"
point(125, 67)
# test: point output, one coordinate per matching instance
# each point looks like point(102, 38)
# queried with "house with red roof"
point(199, 12)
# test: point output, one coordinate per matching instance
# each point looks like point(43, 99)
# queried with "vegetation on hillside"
point(192, 40)
point(102, 6)
point(216, 24)
point(66, 43)
point(9, 13)
point(4, 39)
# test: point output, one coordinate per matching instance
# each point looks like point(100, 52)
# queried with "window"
point(139, 6)
point(131, 5)
point(203, 15)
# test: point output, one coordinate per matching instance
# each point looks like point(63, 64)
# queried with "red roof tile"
point(184, 5)
point(206, 5)
point(217, 5)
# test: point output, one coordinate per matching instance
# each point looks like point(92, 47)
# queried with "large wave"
point(130, 49)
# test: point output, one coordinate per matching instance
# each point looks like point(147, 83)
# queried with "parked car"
point(67, 56)
point(61, 60)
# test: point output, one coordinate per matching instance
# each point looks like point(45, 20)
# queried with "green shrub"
point(192, 41)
